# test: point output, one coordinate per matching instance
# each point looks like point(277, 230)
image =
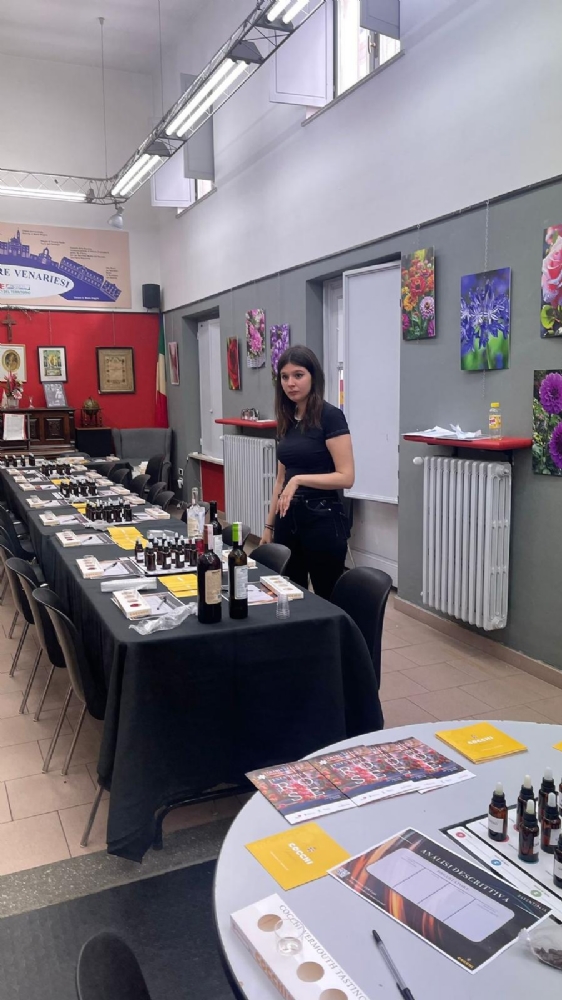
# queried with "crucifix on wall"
point(9, 323)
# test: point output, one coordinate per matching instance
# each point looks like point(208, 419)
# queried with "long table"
point(187, 709)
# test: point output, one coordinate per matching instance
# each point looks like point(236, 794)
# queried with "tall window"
point(358, 51)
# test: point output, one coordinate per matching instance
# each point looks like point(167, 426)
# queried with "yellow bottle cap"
point(495, 404)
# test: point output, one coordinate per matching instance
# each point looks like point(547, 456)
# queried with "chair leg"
point(19, 649)
point(66, 764)
point(4, 589)
point(91, 818)
point(56, 733)
point(13, 625)
point(39, 708)
point(32, 676)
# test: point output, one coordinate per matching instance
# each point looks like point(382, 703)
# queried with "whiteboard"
point(371, 304)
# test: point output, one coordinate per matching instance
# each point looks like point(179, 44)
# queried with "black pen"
point(401, 985)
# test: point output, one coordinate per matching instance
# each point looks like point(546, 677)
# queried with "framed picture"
point(174, 363)
point(116, 369)
point(55, 394)
point(52, 364)
point(12, 360)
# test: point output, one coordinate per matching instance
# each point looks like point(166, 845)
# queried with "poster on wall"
point(279, 340)
point(485, 320)
point(255, 338)
point(12, 361)
point(59, 267)
point(52, 364)
point(418, 294)
point(233, 363)
point(551, 283)
point(547, 423)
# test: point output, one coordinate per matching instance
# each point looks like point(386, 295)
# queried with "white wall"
point(470, 111)
point(52, 121)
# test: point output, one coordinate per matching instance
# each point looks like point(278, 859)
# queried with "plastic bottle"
point(525, 794)
point(497, 815)
point(550, 826)
point(529, 835)
point(495, 421)
point(546, 788)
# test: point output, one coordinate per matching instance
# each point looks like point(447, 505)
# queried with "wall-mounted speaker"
point(151, 296)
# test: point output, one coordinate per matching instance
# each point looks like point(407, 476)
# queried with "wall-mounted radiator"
point(466, 525)
point(250, 468)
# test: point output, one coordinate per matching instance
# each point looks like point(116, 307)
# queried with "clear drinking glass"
point(289, 935)
point(283, 609)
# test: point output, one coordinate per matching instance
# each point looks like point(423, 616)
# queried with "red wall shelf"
point(238, 422)
point(477, 444)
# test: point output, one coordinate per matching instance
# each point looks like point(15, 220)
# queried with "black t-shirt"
point(304, 452)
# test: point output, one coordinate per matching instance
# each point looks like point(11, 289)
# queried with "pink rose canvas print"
point(551, 283)
point(255, 338)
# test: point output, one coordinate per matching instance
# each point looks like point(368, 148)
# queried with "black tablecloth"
point(199, 705)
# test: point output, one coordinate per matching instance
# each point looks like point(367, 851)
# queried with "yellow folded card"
point(181, 584)
point(125, 538)
point(80, 507)
point(558, 746)
point(298, 856)
point(481, 742)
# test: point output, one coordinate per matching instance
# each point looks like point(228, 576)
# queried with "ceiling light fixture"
point(210, 100)
point(116, 220)
point(148, 167)
point(294, 10)
point(22, 192)
point(277, 9)
point(217, 76)
point(134, 169)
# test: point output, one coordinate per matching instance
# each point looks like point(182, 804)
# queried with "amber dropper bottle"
point(525, 794)
point(497, 815)
point(550, 826)
point(546, 788)
point(529, 835)
point(558, 863)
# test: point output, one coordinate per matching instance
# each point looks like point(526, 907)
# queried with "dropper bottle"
point(497, 815)
point(529, 835)
point(550, 826)
point(546, 788)
point(525, 794)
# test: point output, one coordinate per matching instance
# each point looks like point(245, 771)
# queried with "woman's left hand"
point(286, 496)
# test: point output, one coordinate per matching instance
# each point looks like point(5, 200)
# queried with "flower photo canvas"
point(255, 338)
point(547, 423)
point(233, 363)
point(279, 340)
point(418, 294)
point(485, 320)
point(551, 283)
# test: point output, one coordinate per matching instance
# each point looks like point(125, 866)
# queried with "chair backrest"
point(154, 491)
point(68, 637)
point(138, 484)
point(163, 498)
point(363, 593)
point(154, 468)
point(141, 442)
point(15, 545)
point(166, 472)
point(227, 534)
point(122, 477)
point(44, 627)
point(108, 970)
point(11, 566)
point(272, 555)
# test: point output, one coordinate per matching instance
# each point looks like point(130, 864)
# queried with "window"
point(199, 189)
point(358, 51)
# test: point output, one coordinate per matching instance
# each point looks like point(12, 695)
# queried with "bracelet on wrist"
point(270, 526)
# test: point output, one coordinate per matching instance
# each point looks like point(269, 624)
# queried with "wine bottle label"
point(213, 583)
point(558, 868)
point(554, 835)
point(495, 824)
point(218, 545)
point(240, 583)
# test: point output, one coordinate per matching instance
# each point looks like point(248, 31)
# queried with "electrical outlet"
point(180, 472)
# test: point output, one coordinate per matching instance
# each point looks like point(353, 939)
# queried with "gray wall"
point(433, 388)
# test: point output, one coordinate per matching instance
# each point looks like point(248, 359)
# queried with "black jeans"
point(316, 532)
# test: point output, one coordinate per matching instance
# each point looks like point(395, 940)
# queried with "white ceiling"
point(69, 30)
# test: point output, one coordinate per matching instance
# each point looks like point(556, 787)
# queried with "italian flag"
point(161, 397)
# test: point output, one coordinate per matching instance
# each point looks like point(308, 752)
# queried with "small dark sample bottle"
point(497, 815)
point(558, 863)
point(529, 835)
point(139, 551)
point(550, 826)
point(166, 556)
point(150, 557)
point(92, 489)
point(525, 794)
point(31, 458)
point(180, 554)
point(546, 788)
point(159, 552)
point(128, 512)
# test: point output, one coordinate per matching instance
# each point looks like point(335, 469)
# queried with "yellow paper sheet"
point(181, 584)
point(298, 856)
point(481, 742)
point(80, 507)
point(125, 538)
point(558, 746)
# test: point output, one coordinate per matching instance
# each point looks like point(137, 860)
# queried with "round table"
point(342, 921)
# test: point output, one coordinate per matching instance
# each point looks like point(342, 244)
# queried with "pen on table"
point(401, 985)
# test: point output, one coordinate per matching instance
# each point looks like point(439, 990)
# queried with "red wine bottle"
point(209, 582)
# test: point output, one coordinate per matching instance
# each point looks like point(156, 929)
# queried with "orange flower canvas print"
point(233, 363)
point(418, 294)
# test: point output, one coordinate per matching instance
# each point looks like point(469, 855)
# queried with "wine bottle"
point(217, 527)
point(195, 516)
point(237, 575)
point(209, 581)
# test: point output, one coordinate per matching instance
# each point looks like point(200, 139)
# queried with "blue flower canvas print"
point(547, 423)
point(485, 318)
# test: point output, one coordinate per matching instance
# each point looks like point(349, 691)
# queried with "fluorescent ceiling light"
point(185, 112)
point(297, 6)
point(200, 110)
point(17, 192)
point(277, 9)
point(134, 169)
point(148, 167)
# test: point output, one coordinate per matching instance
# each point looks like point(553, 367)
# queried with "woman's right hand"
point(266, 537)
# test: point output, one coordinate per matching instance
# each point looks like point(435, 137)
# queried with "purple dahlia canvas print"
point(547, 423)
point(279, 340)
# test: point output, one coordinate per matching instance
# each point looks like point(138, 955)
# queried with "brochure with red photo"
point(364, 773)
point(299, 791)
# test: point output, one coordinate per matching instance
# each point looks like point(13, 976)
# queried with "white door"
point(372, 338)
point(210, 387)
point(333, 341)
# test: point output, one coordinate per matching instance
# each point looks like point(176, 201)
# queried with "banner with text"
point(56, 266)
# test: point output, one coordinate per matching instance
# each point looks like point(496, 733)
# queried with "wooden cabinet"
point(49, 429)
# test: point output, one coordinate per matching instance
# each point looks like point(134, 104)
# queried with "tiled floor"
point(426, 677)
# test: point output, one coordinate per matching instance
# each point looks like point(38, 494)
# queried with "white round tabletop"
point(342, 921)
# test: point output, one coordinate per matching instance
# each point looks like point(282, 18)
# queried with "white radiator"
point(466, 524)
point(250, 469)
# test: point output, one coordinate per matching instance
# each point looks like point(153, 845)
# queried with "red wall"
point(80, 333)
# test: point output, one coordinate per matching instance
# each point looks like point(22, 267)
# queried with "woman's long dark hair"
point(284, 407)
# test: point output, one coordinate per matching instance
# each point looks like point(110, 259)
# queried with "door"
point(210, 386)
point(372, 339)
point(333, 341)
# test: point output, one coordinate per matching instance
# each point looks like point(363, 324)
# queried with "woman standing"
point(315, 460)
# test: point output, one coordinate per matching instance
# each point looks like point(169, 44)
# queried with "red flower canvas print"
point(233, 363)
point(418, 294)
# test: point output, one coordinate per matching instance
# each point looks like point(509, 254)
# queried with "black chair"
point(363, 593)
point(163, 498)
point(22, 608)
point(108, 970)
point(21, 546)
point(139, 484)
point(74, 654)
point(154, 469)
point(272, 555)
point(121, 477)
point(154, 491)
point(227, 534)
